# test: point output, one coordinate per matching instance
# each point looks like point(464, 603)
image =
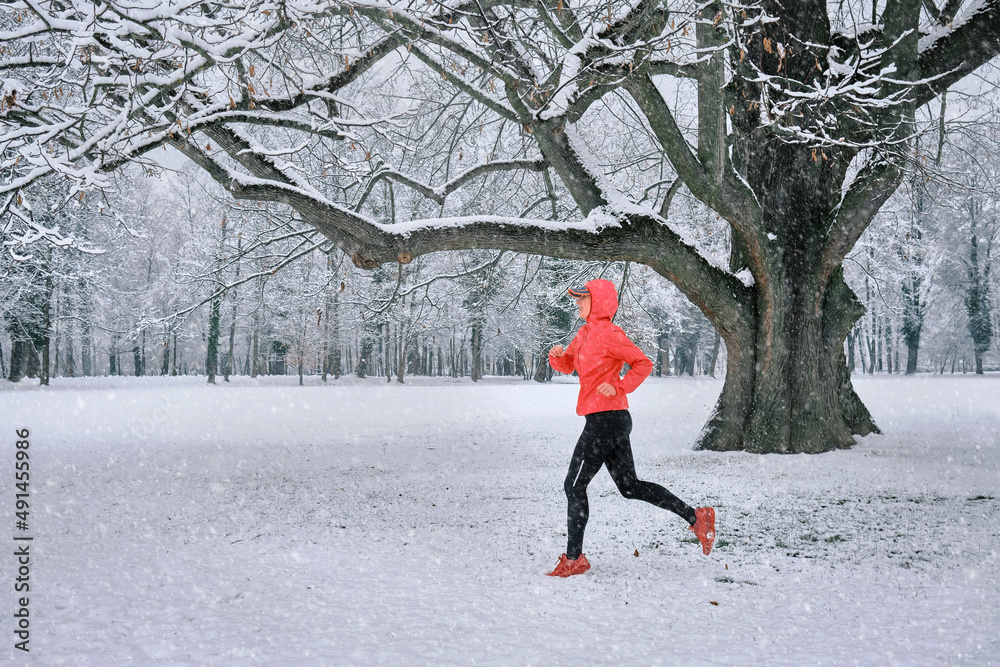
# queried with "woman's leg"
point(586, 462)
point(621, 466)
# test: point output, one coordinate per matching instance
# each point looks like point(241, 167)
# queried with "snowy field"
point(360, 522)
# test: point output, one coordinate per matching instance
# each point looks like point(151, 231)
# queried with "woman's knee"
point(629, 488)
point(574, 490)
point(628, 492)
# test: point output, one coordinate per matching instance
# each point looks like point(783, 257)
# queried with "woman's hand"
point(556, 351)
point(607, 389)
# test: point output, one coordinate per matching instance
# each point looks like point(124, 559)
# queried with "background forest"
point(315, 192)
point(166, 274)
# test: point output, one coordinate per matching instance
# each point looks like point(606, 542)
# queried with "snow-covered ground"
point(360, 522)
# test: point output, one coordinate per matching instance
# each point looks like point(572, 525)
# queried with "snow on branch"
point(956, 48)
point(440, 192)
point(20, 230)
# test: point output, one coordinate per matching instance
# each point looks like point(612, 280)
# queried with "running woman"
point(598, 353)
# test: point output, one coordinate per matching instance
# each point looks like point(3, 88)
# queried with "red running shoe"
point(567, 568)
point(704, 528)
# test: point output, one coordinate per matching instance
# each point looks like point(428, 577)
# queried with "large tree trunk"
point(787, 386)
point(725, 429)
point(804, 401)
point(800, 398)
point(842, 310)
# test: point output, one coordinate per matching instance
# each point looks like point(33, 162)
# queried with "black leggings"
point(604, 441)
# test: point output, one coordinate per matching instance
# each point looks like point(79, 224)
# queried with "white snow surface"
point(358, 522)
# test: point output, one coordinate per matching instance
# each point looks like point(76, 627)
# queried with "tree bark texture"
point(46, 341)
point(230, 364)
point(476, 342)
point(19, 351)
point(212, 355)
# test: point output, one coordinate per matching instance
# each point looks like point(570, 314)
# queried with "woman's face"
point(583, 303)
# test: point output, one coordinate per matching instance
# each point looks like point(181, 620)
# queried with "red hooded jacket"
point(598, 353)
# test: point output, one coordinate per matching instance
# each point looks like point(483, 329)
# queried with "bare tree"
point(802, 126)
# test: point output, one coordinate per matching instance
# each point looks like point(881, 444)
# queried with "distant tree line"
point(173, 278)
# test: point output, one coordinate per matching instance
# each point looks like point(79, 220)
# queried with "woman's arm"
point(564, 362)
point(620, 347)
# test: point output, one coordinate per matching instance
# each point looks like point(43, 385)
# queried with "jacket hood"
point(603, 300)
